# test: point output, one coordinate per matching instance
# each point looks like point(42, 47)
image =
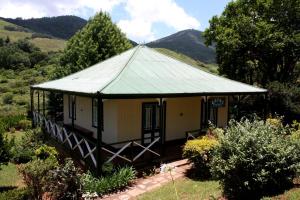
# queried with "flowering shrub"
point(254, 159)
point(274, 121)
point(45, 151)
point(199, 151)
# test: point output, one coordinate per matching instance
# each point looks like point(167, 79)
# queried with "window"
point(213, 113)
point(95, 113)
point(151, 116)
point(72, 106)
point(203, 114)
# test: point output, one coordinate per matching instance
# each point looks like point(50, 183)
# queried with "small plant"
point(120, 178)
point(63, 182)
point(34, 174)
point(24, 124)
point(169, 169)
point(7, 98)
point(199, 152)
point(15, 194)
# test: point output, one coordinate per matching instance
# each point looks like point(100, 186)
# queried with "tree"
point(257, 41)
point(98, 40)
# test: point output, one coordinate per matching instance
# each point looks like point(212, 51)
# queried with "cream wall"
point(123, 117)
point(182, 114)
point(84, 117)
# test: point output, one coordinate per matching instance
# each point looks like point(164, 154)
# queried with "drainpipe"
point(32, 106)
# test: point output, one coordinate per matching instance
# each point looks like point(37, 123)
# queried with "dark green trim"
point(38, 93)
point(32, 107)
point(99, 136)
point(44, 104)
point(102, 117)
point(72, 108)
point(141, 96)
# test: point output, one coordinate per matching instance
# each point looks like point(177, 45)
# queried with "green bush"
point(120, 178)
point(15, 194)
point(63, 182)
point(45, 151)
point(7, 98)
point(254, 159)
point(199, 152)
point(19, 154)
point(4, 89)
point(24, 124)
point(24, 150)
point(11, 121)
point(34, 174)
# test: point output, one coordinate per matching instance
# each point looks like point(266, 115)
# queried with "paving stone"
point(149, 183)
point(136, 192)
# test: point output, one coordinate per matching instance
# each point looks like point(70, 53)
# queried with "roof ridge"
point(123, 68)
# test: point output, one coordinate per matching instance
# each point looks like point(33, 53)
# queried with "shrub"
point(11, 121)
point(23, 151)
point(45, 152)
point(21, 154)
point(7, 98)
point(198, 151)
point(120, 178)
point(24, 124)
point(34, 174)
point(63, 182)
point(4, 151)
point(254, 159)
point(15, 194)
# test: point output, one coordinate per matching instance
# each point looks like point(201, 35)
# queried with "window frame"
point(95, 123)
point(72, 103)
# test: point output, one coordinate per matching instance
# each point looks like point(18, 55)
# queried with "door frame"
point(162, 130)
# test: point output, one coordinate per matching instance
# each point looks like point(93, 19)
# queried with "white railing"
point(134, 156)
point(71, 139)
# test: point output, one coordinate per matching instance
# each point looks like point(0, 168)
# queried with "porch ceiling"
point(144, 71)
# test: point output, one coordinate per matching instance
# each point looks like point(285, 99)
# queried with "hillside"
point(62, 27)
point(15, 32)
point(188, 42)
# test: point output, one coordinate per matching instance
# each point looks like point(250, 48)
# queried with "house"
point(138, 99)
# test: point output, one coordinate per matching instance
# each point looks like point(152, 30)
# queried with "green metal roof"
point(144, 71)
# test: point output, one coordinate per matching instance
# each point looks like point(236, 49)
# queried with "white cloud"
point(42, 8)
point(145, 13)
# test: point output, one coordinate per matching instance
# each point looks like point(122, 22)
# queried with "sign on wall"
point(218, 102)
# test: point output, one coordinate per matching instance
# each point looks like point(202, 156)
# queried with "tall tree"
point(257, 41)
point(98, 40)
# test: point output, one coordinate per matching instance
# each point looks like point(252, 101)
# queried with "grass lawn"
point(9, 176)
point(187, 189)
point(190, 189)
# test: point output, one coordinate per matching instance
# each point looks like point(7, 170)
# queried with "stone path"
point(143, 185)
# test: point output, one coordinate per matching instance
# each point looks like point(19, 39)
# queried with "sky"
point(141, 20)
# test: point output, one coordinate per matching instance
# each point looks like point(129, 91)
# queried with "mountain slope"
point(62, 27)
point(188, 42)
point(15, 32)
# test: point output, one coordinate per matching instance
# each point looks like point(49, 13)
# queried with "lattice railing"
point(72, 140)
point(130, 145)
